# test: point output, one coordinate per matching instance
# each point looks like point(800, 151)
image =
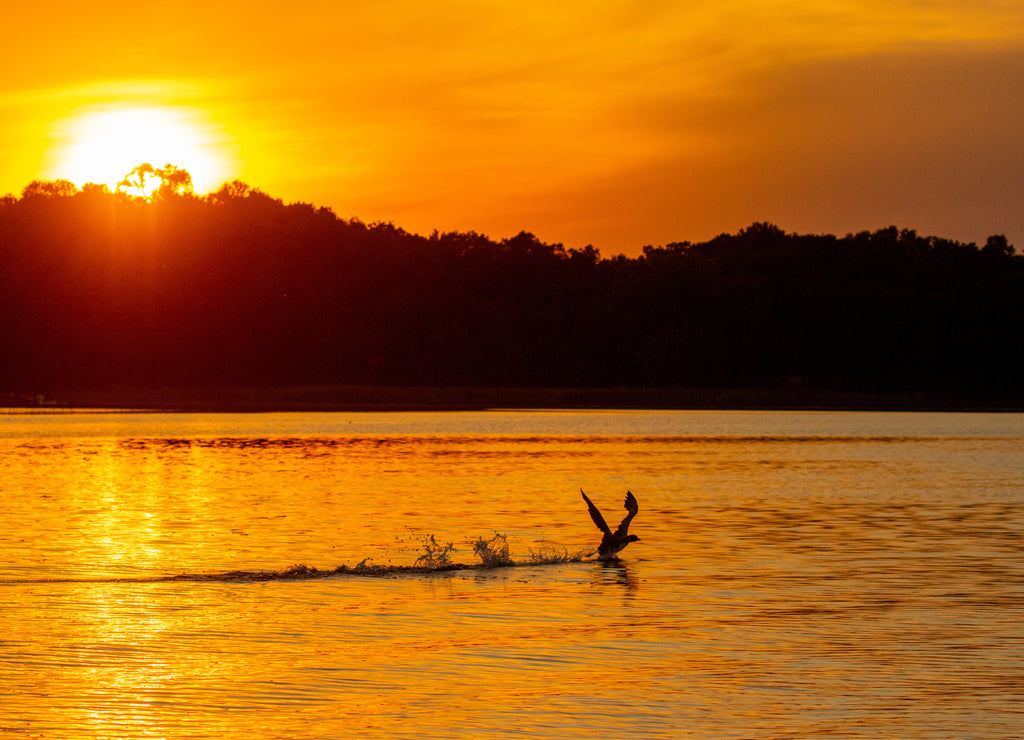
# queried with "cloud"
point(928, 141)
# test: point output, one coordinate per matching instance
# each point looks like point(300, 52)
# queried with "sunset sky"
point(610, 123)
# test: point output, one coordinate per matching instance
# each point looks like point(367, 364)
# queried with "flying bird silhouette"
point(612, 542)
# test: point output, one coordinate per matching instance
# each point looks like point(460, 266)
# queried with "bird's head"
point(634, 538)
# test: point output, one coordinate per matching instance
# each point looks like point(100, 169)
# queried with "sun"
point(102, 145)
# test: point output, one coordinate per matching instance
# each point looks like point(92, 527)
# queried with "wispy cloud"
point(482, 114)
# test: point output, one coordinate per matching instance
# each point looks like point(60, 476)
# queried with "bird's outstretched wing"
point(595, 514)
point(632, 507)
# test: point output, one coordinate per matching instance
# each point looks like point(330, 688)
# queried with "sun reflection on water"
point(827, 588)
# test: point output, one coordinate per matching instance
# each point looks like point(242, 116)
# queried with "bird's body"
point(613, 542)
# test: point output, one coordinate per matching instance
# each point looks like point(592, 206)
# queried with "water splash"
point(435, 555)
point(436, 558)
point(548, 553)
point(493, 553)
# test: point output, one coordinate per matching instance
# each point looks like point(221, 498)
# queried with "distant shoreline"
point(423, 398)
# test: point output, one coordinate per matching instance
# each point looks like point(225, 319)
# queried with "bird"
point(613, 542)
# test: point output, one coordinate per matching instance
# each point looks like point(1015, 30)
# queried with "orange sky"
point(616, 124)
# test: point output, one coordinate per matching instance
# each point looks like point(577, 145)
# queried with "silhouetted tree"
point(49, 189)
point(998, 246)
point(173, 180)
point(136, 179)
point(100, 288)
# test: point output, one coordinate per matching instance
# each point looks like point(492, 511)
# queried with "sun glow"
point(103, 145)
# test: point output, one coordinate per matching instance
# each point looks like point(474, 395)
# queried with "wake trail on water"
point(436, 558)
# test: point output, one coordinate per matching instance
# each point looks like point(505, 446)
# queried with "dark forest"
point(102, 290)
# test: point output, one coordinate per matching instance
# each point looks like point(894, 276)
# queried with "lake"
point(855, 575)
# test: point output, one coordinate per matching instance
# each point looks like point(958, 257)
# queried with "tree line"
point(101, 289)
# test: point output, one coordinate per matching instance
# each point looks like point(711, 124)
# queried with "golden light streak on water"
point(798, 575)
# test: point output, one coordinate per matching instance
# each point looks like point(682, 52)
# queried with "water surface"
point(799, 575)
